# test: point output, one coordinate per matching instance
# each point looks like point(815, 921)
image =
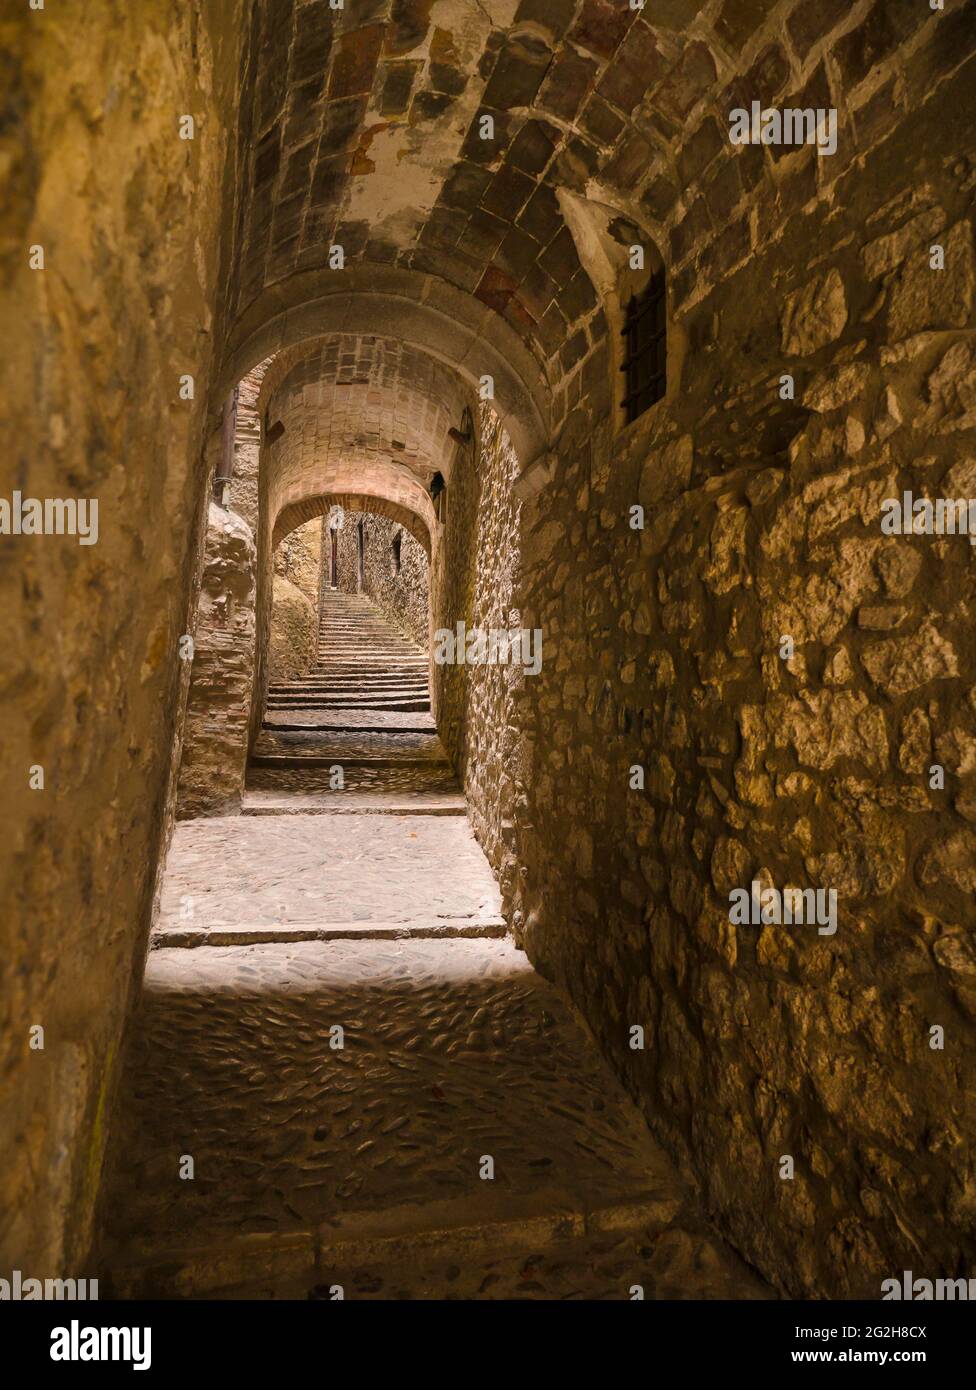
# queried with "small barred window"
point(645, 334)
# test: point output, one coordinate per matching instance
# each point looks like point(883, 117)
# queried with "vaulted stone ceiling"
point(364, 129)
point(360, 398)
point(362, 415)
point(360, 127)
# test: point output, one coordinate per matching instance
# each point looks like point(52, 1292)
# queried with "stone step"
point(359, 721)
point(306, 760)
point(346, 691)
point(247, 934)
point(350, 803)
point(323, 679)
point(352, 696)
point(421, 1252)
point(405, 706)
point(370, 655)
point(326, 670)
point(350, 687)
point(370, 650)
point(310, 702)
point(397, 745)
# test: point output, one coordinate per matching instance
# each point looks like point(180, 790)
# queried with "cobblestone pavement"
point(350, 744)
point(430, 777)
point(452, 1052)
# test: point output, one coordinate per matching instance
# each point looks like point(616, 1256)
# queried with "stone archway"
point(428, 314)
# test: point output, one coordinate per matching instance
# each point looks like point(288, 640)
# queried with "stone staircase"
point(364, 710)
point(364, 663)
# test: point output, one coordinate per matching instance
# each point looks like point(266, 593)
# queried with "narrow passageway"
point(489, 709)
point(375, 1088)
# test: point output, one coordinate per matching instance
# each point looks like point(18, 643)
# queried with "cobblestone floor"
point(452, 1052)
point(350, 744)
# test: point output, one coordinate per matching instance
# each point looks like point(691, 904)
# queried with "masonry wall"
point(214, 746)
point(762, 520)
point(403, 595)
point(295, 602)
point(92, 677)
point(477, 580)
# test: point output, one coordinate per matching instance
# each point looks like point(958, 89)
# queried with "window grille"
point(645, 334)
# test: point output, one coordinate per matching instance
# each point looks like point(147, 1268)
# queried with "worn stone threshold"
point(300, 760)
point(463, 1229)
point(293, 807)
point(344, 727)
point(337, 706)
point(262, 934)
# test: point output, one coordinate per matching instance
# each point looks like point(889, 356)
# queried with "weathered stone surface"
point(815, 315)
point(826, 727)
point(924, 297)
point(294, 631)
point(214, 753)
point(905, 663)
point(131, 220)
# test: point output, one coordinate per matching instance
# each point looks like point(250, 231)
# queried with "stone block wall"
point(294, 636)
point(211, 779)
point(477, 580)
point(762, 521)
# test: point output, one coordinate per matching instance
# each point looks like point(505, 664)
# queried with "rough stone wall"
point(294, 638)
point(298, 558)
point(665, 651)
point(92, 681)
point(211, 779)
point(403, 596)
point(476, 581)
point(243, 493)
